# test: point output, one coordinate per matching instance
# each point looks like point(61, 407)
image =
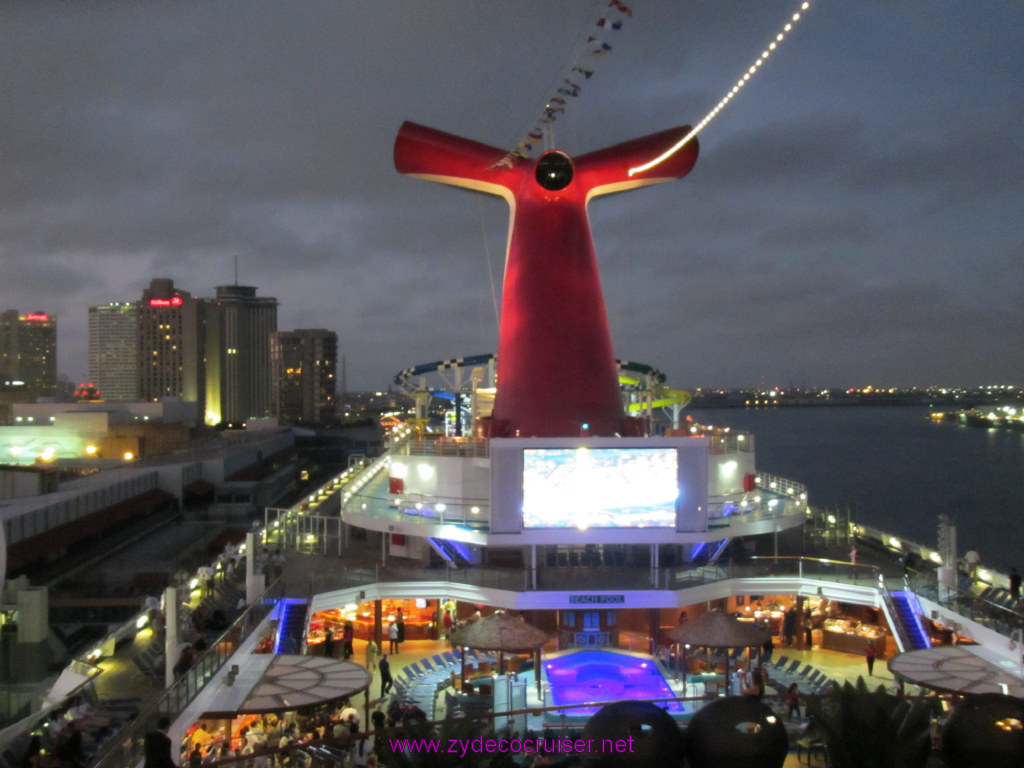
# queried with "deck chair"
point(793, 667)
point(804, 672)
point(810, 742)
point(1005, 598)
point(781, 662)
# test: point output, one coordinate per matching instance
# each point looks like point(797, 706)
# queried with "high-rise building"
point(114, 351)
point(239, 384)
point(28, 352)
point(305, 375)
point(214, 351)
point(171, 342)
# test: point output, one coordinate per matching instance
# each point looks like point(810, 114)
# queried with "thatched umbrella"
point(717, 629)
point(503, 633)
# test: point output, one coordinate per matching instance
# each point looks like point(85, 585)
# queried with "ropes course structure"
point(414, 379)
point(643, 386)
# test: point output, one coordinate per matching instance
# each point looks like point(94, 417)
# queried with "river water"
point(897, 470)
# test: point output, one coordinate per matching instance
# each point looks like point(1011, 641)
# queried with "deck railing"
point(591, 577)
point(125, 750)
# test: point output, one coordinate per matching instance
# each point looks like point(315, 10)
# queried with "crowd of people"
point(72, 733)
point(285, 741)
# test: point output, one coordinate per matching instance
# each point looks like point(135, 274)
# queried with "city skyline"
point(854, 217)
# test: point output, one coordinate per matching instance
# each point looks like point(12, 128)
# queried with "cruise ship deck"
point(121, 679)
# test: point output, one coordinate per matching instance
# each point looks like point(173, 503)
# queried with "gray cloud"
point(855, 213)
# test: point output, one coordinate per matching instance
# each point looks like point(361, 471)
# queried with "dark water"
point(897, 470)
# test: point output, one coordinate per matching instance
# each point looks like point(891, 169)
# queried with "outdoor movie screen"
point(600, 487)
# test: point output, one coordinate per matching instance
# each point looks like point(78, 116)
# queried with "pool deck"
point(121, 679)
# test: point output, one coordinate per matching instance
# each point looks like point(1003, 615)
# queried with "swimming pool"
point(582, 676)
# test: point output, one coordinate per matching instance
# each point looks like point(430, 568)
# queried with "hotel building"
point(28, 352)
point(305, 369)
point(238, 327)
point(114, 350)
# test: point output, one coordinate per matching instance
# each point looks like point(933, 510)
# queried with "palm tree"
point(872, 729)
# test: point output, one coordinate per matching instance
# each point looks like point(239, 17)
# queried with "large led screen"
point(586, 487)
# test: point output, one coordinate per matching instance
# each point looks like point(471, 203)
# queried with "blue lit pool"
point(579, 677)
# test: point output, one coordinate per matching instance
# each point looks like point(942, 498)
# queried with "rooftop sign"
point(174, 301)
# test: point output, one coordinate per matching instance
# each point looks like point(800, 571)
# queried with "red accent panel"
point(396, 485)
point(749, 483)
point(556, 367)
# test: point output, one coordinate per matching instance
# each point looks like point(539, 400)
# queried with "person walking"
point(386, 681)
point(972, 559)
point(761, 680)
point(869, 656)
point(361, 748)
point(743, 683)
point(157, 746)
point(793, 700)
point(1014, 582)
point(378, 718)
point(789, 627)
point(329, 644)
point(393, 638)
point(372, 654)
point(348, 634)
point(185, 660)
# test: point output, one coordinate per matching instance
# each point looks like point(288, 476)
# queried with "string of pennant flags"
point(609, 19)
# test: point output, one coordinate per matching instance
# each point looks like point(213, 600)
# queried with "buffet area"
point(419, 620)
point(852, 636)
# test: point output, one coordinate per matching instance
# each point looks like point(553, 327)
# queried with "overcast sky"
point(856, 215)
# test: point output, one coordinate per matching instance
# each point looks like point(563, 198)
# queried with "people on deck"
point(793, 700)
point(386, 681)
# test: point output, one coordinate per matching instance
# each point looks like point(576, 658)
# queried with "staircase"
point(291, 624)
point(908, 614)
point(453, 553)
point(719, 549)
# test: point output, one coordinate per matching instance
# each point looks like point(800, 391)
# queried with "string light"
point(732, 93)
